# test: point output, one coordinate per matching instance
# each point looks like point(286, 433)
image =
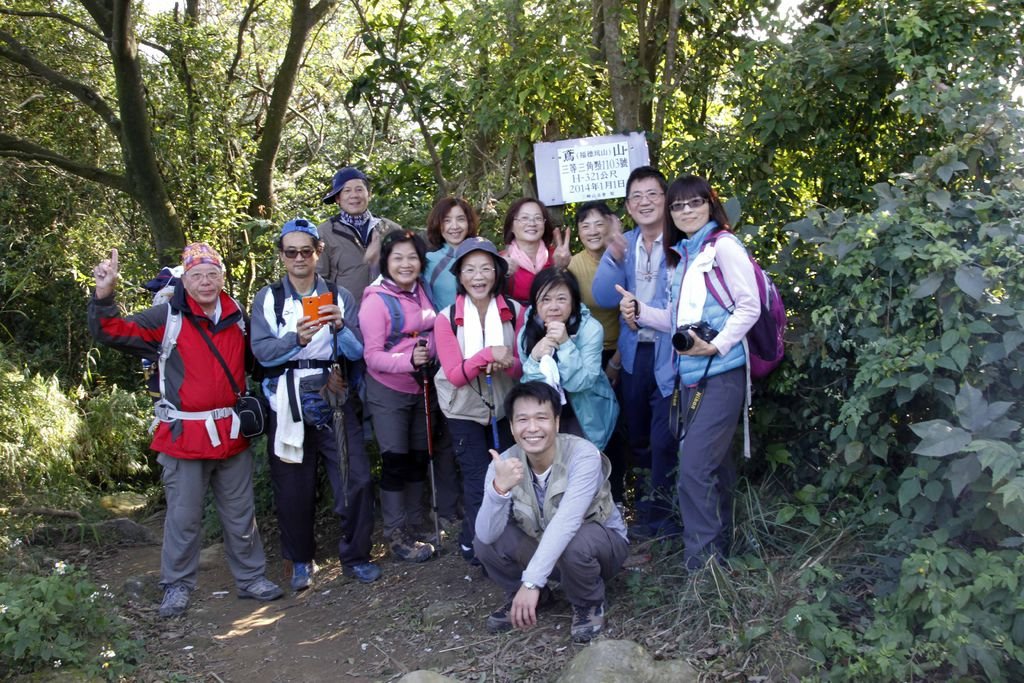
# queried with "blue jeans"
point(645, 413)
point(472, 442)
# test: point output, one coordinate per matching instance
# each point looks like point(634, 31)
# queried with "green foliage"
point(113, 443)
point(37, 424)
point(62, 620)
point(50, 441)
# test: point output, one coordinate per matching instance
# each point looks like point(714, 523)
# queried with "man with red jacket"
point(197, 432)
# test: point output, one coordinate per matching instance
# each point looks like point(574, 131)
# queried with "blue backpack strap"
point(442, 265)
point(397, 321)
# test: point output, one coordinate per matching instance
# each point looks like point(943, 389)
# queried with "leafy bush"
point(38, 422)
point(59, 620)
point(113, 443)
point(48, 442)
point(916, 333)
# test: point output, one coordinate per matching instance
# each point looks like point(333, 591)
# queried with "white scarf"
point(475, 336)
point(694, 291)
point(289, 436)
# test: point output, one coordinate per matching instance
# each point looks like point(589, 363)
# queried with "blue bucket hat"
point(300, 225)
point(471, 244)
point(340, 178)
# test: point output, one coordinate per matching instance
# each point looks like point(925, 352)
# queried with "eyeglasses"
point(290, 254)
point(694, 203)
point(486, 271)
point(529, 220)
point(650, 195)
point(200, 276)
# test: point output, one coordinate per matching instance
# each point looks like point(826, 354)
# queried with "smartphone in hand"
point(311, 305)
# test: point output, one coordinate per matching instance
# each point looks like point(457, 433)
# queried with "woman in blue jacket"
point(560, 343)
point(711, 359)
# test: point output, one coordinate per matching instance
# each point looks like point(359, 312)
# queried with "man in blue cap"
point(304, 357)
point(352, 237)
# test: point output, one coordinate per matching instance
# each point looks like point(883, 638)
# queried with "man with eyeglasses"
point(635, 262)
point(303, 358)
point(352, 237)
point(196, 432)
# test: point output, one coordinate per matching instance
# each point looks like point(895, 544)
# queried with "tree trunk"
point(142, 170)
point(624, 86)
point(304, 18)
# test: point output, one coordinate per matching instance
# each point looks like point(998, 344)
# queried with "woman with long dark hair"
point(560, 343)
point(711, 359)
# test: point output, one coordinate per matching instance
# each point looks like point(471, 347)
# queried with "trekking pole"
point(430, 450)
point(493, 409)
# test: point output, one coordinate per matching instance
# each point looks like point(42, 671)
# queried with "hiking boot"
point(500, 620)
point(261, 589)
point(175, 602)
point(405, 547)
point(587, 622)
point(302, 575)
point(363, 572)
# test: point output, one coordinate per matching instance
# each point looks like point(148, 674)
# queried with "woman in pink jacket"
point(396, 318)
point(479, 365)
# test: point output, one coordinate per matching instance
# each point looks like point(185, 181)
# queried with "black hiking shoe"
point(587, 622)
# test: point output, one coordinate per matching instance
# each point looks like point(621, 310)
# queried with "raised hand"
point(331, 315)
point(614, 242)
point(561, 255)
point(507, 473)
point(106, 272)
point(628, 306)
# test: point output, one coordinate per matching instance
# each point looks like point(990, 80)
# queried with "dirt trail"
point(340, 630)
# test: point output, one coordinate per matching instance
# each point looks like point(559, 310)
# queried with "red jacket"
point(193, 378)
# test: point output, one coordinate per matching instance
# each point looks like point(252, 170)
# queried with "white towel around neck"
point(694, 292)
point(476, 336)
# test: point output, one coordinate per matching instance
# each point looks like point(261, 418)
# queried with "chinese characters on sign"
point(593, 172)
point(585, 169)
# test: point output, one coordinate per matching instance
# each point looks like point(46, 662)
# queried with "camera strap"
point(679, 422)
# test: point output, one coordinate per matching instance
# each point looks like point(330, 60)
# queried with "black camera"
point(682, 341)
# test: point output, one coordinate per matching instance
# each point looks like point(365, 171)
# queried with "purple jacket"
point(392, 366)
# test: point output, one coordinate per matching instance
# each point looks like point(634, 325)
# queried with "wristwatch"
point(530, 586)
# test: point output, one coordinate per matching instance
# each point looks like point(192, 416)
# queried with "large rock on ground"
point(623, 661)
point(424, 676)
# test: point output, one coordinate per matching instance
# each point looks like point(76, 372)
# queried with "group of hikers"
point(535, 377)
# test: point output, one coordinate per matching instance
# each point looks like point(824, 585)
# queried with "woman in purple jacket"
point(397, 318)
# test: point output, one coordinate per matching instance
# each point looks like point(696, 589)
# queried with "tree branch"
point(19, 54)
point(59, 17)
point(17, 148)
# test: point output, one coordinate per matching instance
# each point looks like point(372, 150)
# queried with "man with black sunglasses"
point(306, 352)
